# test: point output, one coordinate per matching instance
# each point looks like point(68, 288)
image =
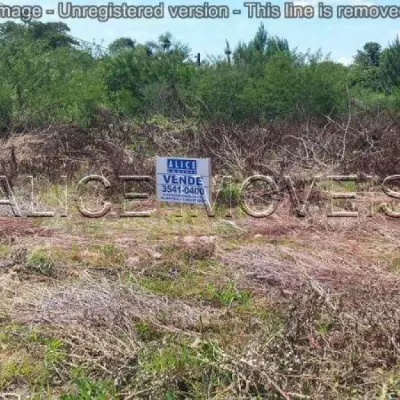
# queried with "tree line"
point(48, 76)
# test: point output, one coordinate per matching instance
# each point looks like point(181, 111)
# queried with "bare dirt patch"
point(14, 228)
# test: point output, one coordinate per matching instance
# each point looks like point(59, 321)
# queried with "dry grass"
point(194, 307)
point(312, 311)
point(105, 304)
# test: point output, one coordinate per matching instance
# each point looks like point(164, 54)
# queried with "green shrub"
point(91, 390)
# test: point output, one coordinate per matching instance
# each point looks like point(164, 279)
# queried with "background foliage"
point(49, 76)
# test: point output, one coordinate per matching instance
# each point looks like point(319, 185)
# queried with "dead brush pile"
point(362, 144)
point(333, 343)
point(366, 143)
point(327, 347)
point(54, 151)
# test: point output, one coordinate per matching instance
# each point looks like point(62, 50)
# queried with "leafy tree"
point(140, 82)
point(290, 88)
point(218, 91)
point(165, 41)
point(164, 44)
point(54, 34)
point(51, 34)
point(389, 68)
point(259, 51)
point(369, 56)
point(260, 40)
point(277, 45)
point(45, 77)
point(364, 71)
point(121, 44)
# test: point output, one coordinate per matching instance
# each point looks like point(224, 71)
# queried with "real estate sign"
point(183, 180)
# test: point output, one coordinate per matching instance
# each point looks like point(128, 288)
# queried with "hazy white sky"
point(340, 38)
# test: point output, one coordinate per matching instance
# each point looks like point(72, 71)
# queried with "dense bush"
point(48, 76)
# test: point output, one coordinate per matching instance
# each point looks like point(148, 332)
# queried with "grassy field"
point(195, 307)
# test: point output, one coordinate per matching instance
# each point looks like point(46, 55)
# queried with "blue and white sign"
point(183, 180)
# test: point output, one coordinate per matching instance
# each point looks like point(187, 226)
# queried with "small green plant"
point(53, 352)
point(4, 250)
point(146, 332)
point(193, 361)
point(172, 358)
point(23, 368)
point(229, 194)
point(169, 396)
point(40, 262)
point(228, 295)
point(112, 254)
point(91, 390)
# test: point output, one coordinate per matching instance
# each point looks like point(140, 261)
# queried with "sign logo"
point(183, 180)
point(182, 166)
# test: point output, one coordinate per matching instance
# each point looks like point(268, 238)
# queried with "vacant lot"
point(177, 307)
point(197, 307)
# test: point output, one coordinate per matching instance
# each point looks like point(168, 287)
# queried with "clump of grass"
point(4, 250)
point(33, 358)
point(337, 186)
point(22, 368)
point(195, 250)
point(112, 254)
point(188, 369)
point(228, 195)
point(40, 262)
point(228, 295)
point(177, 278)
point(389, 385)
point(146, 332)
point(392, 261)
point(86, 389)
